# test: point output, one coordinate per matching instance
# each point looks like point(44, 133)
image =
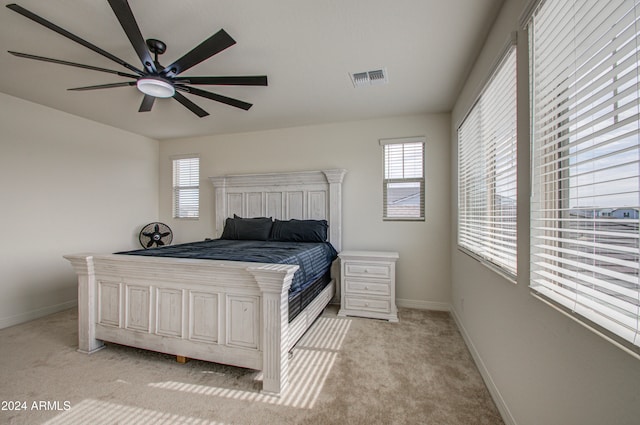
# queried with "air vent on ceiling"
point(369, 78)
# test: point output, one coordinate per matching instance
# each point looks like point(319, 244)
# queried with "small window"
point(403, 186)
point(186, 187)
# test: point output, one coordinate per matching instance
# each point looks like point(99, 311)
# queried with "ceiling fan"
point(154, 80)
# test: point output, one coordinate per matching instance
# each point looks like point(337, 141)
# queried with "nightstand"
point(368, 284)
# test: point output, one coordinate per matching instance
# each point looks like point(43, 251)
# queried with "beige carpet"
point(343, 371)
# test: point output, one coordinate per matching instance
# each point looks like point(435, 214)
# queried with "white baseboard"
point(423, 305)
point(27, 316)
point(507, 417)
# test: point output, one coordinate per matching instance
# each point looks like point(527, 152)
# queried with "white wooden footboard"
point(221, 311)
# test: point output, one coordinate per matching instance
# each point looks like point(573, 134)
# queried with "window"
point(585, 170)
point(487, 180)
point(186, 187)
point(403, 186)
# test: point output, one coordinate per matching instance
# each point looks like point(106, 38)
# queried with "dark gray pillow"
point(299, 231)
point(254, 229)
point(229, 231)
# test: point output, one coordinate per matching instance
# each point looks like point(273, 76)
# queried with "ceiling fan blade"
point(28, 14)
point(190, 105)
point(147, 103)
point(249, 80)
point(211, 46)
point(104, 86)
point(78, 65)
point(128, 22)
point(217, 97)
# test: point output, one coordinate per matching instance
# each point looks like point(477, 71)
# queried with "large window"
point(586, 159)
point(403, 186)
point(186, 187)
point(487, 165)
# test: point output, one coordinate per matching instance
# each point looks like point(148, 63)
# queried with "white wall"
point(423, 269)
point(541, 367)
point(68, 185)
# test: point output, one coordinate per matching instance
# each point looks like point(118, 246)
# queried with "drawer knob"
point(366, 304)
point(366, 270)
point(366, 288)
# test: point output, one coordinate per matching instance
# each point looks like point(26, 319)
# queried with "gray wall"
point(541, 367)
point(68, 185)
point(423, 272)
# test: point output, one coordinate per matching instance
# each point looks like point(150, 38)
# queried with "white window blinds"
point(403, 186)
point(487, 172)
point(186, 187)
point(585, 173)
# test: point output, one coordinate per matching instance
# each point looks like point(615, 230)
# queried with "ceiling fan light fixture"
point(155, 87)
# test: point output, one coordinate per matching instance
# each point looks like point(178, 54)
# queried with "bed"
point(218, 310)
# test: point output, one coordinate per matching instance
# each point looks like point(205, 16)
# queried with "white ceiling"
point(307, 48)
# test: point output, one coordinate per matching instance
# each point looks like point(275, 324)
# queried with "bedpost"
point(274, 281)
point(83, 266)
point(220, 184)
point(334, 178)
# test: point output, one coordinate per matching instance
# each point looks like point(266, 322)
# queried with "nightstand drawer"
point(358, 303)
point(367, 270)
point(362, 286)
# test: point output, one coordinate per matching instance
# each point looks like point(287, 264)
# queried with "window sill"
point(587, 324)
point(510, 277)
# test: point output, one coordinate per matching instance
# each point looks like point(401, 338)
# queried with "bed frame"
point(227, 312)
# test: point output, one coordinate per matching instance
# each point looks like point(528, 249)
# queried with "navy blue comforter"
point(313, 258)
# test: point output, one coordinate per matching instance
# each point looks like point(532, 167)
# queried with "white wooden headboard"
point(301, 195)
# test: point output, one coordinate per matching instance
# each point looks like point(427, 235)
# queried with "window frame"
point(387, 181)
point(493, 252)
point(594, 305)
point(177, 189)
